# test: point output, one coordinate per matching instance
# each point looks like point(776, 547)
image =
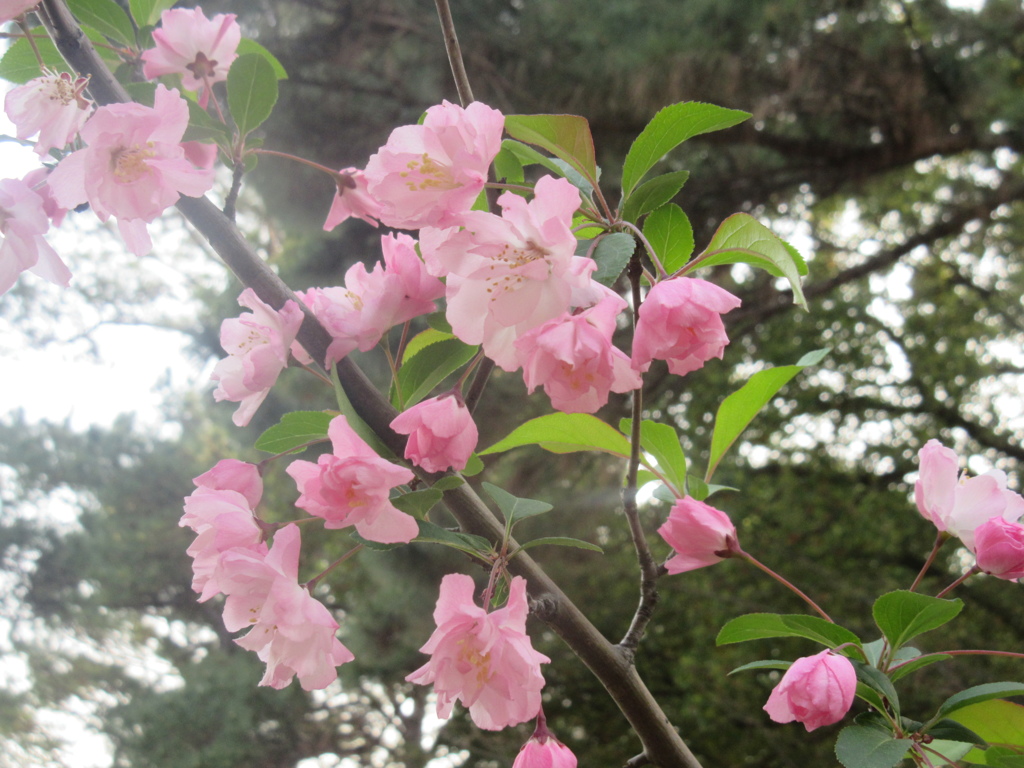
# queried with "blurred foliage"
point(885, 143)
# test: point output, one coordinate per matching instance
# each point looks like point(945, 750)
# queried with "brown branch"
point(451, 45)
point(660, 739)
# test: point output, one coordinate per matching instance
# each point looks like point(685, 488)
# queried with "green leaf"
point(756, 626)
point(951, 730)
point(252, 91)
point(294, 431)
point(473, 467)
point(977, 694)
point(106, 17)
point(912, 666)
point(19, 64)
point(201, 124)
point(860, 746)
point(998, 722)
point(902, 615)
point(669, 232)
point(246, 46)
point(878, 681)
point(561, 541)
point(565, 433)
point(742, 239)
point(868, 694)
point(417, 503)
point(612, 254)
point(147, 12)
point(574, 177)
point(662, 442)
point(428, 367)
point(765, 664)
point(464, 542)
point(668, 129)
point(527, 155)
point(565, 136)
point(376, 546)
point(738, 409)
point(653, 194)
point(448, 483)
point(507, 166)
point(512, 507)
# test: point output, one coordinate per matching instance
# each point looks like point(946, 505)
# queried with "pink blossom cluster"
point(980, 511)
point(288, 628)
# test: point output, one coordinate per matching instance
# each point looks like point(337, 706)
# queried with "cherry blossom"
point(508, 274)
point(257, 344)
point(442, 433)
point(485, 660)
point(290, 629)
point(23, 222)
point(999, 548)
point(816, 690)
point(959, 504)
point(351, 485)
point(352, 198)
point(700, 535)
point(574, 359)
point(11, 9)
point(680, 322)
point(430, 174)
point(199, 49)
point(52, 106)
point(133, 167)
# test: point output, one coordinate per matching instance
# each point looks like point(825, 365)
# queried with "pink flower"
point(700, 535)
point(999, 548)
point(358, 314)
point(290, 630)
point(484, 659)
point(680, 322)
point(23, 222)
point(816, 690)
point(442, 433)
point(52, 106)
point(38, 180)
point(11, 9)
point(351, 487)
point(959, 504)
point(257, 343)
point(134, 166)
point(352, 199)
point(234, 475)
point(197, 48)
point(573, 358)
point(223, 521)
point(546, 753)
point(430, 174)
point(506, 275)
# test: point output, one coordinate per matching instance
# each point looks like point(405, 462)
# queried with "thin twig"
point(451, 45)
point(648, 568)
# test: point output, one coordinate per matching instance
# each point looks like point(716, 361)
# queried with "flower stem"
point(740, 553)
point(451, 45)
point(940, 539)
point(959, 581)
point(311, 584)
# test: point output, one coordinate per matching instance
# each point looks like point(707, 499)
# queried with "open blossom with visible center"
point(290, 629)
point(508, 274)
point(351, 485)
point(351, 198)
point(959, 504)
point(428, 175)
point(574, 359)
point(220, 511)
point(700, 535)
point(197, 48)
point(816, 690)
point(257, 343)
point(134, 166)
point(680, 322)
point(23, 223)
point(52, 106)
point(483, 659)
point(442, 433)
point(361, 311)
point(999, 548)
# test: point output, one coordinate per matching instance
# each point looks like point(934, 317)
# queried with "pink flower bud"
point(817, 690)
point(544, 752)
point(999, 548)
point(442, 433)
point(700, 535)
point(351, 198)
